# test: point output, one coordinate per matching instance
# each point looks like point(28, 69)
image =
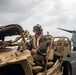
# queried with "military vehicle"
point(16, 60)
point(73, 32)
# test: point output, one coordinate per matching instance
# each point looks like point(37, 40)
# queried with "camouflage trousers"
point(39, 60)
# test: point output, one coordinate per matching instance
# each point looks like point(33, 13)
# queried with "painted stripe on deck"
point(73, 51)
point(73, 61)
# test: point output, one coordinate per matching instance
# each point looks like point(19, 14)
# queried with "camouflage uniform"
point(42, 48)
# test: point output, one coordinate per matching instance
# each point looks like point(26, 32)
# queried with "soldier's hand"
point(33, 51)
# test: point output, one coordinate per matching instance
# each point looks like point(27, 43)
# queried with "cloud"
point(17, 6)
point(49, 13)
point(14, 11)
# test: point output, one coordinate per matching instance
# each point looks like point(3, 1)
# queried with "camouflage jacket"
point(41, 48)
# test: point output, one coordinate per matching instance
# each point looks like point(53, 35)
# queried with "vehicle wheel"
point(67, 68)
point(74, 49)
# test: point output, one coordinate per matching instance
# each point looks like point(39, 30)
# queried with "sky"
point(50, 14)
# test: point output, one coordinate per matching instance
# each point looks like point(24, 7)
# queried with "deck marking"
point(73, 61)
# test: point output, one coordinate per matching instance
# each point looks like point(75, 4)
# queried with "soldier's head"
point(37, 29)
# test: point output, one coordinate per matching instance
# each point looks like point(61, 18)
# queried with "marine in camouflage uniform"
point(38, 45)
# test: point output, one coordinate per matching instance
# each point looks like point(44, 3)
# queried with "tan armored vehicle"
point(15, 60)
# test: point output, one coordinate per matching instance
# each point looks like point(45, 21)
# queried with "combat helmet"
point(38, 27)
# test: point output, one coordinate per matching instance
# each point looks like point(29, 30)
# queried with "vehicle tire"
point(67, 68)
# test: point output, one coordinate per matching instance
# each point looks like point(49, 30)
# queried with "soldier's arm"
point(42, 48)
